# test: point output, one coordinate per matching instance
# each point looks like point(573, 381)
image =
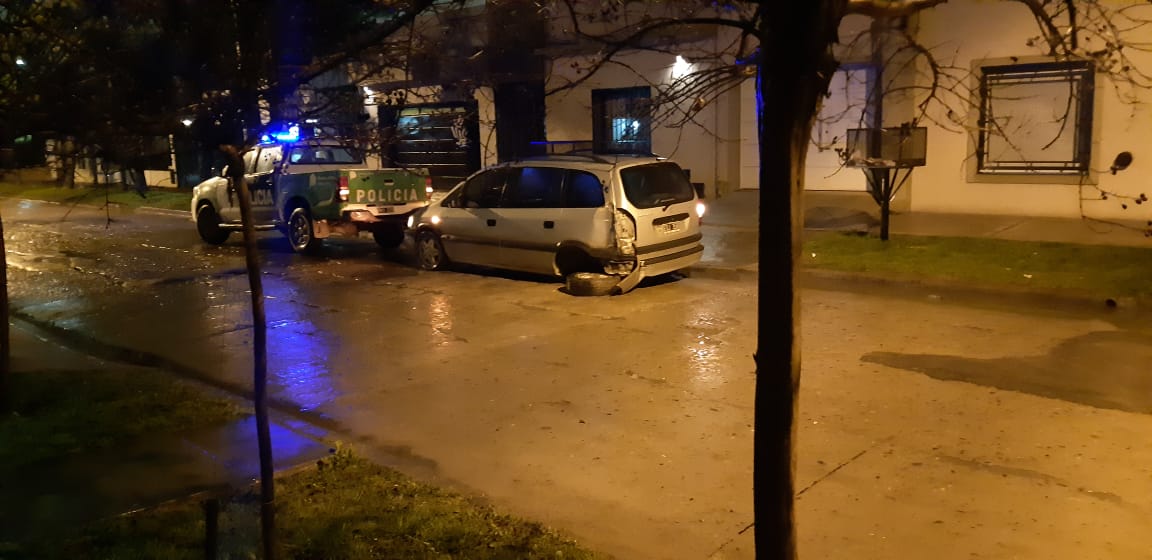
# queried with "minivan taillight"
point(428, 188)
point(343, 190)
point(625, 229)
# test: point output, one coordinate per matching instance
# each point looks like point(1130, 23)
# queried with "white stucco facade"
point(719, 144)
point(981, 30)
point(701, 145)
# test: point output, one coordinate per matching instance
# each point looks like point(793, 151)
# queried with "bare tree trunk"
point(259, 357)
point(5, 342)
point(68, 163)
point(795, 69)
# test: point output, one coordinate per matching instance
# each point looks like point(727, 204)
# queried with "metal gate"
point(441, 137)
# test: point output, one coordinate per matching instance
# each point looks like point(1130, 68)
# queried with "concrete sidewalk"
point(731, 226)
point(90, 486)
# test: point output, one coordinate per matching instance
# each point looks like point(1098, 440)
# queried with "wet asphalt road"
point(627, 420)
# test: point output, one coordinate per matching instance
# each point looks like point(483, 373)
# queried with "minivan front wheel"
point(430, 251)
point(300, 233)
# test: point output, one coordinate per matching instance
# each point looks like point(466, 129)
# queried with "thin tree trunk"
point(259, 358)
point(794, 70)
point(6, 400)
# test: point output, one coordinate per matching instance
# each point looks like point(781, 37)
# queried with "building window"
point(1035, 119)
point(622, 120)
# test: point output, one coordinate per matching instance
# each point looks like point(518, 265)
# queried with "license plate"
point(670, 227)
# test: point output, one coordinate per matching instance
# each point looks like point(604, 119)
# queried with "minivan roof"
point(596, 161)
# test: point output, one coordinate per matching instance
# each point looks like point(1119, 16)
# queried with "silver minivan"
point(608, 219)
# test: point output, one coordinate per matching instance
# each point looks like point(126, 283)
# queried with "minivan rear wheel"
point(590, 283)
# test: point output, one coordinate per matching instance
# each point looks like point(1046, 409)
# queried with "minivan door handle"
point(549, 224)
point(491, 222)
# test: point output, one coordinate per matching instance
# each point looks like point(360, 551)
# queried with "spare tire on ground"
point(590, 284)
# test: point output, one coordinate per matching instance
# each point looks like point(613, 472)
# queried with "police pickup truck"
point(310, 190)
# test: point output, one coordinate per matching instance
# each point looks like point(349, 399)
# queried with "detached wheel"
point(430, 251)
point(208, 225)
point(590, 283)
point(389, 238)
point(300, 233)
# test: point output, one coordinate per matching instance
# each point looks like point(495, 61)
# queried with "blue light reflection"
point(298, 351)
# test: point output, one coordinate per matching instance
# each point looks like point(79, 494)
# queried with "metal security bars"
point(622, 120)
point(1036, 119)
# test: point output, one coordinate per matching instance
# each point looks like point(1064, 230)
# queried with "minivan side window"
point(656, 184)
point(584, 191)
point(534, 187)
point(484, 190)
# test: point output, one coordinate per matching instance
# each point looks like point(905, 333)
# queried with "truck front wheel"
point(300, 233)
point(208, 225)
point(389, 237)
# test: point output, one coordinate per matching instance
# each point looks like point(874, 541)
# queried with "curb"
point(726, 273)
point(141, 209)
point(111, 352)
point(833, 280)
point(848, 281)
point(165, 211)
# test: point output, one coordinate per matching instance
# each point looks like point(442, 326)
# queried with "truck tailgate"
point(384, 186)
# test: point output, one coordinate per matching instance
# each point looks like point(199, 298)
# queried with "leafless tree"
point(792, 49)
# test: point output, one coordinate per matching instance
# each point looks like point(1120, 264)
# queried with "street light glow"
point(186, 122)
point(20, 61)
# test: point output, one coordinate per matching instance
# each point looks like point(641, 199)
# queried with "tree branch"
point(890, 8)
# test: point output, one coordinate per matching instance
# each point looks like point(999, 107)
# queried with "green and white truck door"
point(228, 195)
point(261, 184)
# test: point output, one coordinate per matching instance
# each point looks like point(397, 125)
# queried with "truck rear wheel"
point(208, 225)
point(389, 237)
point(300, 233)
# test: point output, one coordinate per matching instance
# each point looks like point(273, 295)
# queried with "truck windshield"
point(324, 155)
point(657, 184)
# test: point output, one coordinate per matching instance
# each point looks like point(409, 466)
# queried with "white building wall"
point(695, 146)
point(841, 110)
point(982, 29)
point(721, 145)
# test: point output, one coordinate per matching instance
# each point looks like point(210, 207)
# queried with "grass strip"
point(98, 195)
point(345, 509)
point(59, 413)
point(1103, 270)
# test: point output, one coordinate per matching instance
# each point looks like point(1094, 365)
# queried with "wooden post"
point(211, 527)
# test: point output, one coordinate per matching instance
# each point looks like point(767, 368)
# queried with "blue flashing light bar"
point(292, 134)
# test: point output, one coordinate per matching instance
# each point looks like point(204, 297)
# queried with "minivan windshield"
point(656, 184)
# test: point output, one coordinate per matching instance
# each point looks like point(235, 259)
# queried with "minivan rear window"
point(656, 184)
